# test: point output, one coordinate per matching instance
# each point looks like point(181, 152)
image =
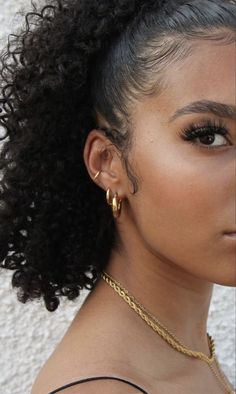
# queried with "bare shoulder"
point(60, 371)
point(71, 379)
point(49, 381)
point(88, 349)
point(57, 371)
point(104, 386)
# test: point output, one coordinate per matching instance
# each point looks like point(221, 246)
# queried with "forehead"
point(208, 73)
point(208, 67)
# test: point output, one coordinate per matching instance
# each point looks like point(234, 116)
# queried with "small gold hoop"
point(116, 206)
point(97, 175)
point(108, 196)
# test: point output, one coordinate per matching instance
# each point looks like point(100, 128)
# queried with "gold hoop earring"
point(116, 206)
point(97, 175)
point(108, 196)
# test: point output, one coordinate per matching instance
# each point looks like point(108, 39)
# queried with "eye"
point(210, 134)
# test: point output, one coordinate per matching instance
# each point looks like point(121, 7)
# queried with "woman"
point(118, 176)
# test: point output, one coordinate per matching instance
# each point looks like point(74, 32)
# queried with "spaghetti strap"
point(97, 378)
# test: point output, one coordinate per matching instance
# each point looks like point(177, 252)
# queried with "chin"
point(224, 274)
point(229, 281)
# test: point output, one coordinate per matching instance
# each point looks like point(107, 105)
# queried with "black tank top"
point(97, 378)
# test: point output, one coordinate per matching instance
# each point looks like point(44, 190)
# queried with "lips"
point(231, 235)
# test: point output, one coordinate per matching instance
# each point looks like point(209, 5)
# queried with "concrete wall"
point(29, 333)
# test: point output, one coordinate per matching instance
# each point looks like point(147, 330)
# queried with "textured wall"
point(29, 333)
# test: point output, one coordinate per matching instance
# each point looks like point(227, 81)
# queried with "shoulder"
point(100, 386)
point(81, 354)
point(59, 377)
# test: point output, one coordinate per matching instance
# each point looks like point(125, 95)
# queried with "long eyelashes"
point(205, 131)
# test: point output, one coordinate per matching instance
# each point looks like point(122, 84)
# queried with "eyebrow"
point(203, 106)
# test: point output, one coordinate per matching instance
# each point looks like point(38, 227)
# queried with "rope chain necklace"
point(169, 337)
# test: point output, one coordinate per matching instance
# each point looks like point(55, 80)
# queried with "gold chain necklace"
point(170, 338)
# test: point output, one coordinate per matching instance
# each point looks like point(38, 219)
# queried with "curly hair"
point(73, 60)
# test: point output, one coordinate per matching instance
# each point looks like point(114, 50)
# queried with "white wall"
point(29, 333)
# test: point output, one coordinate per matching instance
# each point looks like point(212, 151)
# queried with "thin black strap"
point(97, 378)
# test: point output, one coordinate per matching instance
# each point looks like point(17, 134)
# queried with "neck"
point(178, 300)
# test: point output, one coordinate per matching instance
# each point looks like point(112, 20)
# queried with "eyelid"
point(205, 123)
point(196, 130)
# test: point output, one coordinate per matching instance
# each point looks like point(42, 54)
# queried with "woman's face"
point(186, 197)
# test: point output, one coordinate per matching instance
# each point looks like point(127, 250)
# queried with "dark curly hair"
point(73, 60)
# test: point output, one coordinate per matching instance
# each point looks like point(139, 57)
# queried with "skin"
point(173, 246)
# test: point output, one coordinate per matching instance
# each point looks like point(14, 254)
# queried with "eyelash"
point(208, 128)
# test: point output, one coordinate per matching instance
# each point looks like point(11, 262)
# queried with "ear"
point(100, 154)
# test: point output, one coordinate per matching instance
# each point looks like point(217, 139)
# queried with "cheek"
point(180, 201)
